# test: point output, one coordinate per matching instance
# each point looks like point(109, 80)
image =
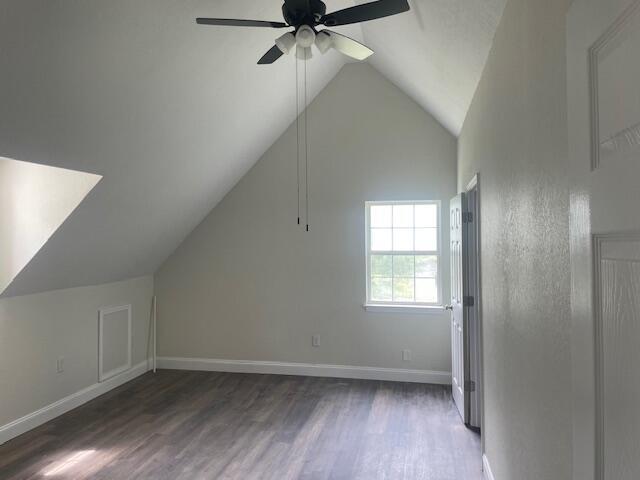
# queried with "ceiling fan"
point(305, 15)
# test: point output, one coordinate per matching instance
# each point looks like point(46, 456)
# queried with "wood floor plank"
point(178, 425)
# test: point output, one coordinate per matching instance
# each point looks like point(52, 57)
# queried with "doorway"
point(466, 322)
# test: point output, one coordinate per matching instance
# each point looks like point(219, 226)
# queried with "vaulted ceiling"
point(172, 114)
point(436, 53)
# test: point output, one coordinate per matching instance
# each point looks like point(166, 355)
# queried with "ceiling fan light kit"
point(286, 42)
point(305, 15)
point(305, 36)
point(323, 42)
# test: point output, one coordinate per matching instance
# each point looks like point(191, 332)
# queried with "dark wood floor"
point(198, 425)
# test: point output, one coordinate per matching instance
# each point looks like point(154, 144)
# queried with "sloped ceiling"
point(436, 53)
point(170, 113)
point(173, 114)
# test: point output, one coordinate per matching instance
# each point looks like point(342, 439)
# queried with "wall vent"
point(114, 342)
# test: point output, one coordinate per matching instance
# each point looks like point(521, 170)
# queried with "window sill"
point(414, 309)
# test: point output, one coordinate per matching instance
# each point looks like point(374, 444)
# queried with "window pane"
point(426, 239)
point(403, 290)
point(426, 216)
point(381, 216)
point(402, 239)
point(381, 289)
point(426, 266)
point(396, 232)
point(381, 265)
point(381, 239)
point(403, 266)
point(403, 216)
point(426, 290)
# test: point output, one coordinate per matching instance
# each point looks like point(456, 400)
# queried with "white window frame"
point(404, 307)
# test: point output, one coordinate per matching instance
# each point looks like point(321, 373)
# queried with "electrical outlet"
point(406, 355)
point(60, 365)
point(315, 340)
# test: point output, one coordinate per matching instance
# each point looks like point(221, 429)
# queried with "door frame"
point(474, 288)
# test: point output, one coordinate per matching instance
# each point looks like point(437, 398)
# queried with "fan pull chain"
point(306, 148)
point(306, 143)
point(298, 136)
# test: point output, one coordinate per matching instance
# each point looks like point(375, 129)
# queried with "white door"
point(457, 305)
point(603, 75)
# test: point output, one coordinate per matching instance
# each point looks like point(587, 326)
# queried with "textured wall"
point(250, 284)
point(37, 329)
point(515, 136)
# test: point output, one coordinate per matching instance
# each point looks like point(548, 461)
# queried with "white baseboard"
point(305, 369)
point(486, 468)
point(53, 410)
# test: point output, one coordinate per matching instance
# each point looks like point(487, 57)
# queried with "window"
point(403, 253)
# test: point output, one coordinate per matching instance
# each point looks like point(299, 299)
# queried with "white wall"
point(250, 284)
point(37, 329)
point(515, 135)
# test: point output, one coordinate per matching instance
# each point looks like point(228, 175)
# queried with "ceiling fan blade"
point(271, 56)
point(232, 22)
point(349, 46)
point(365, 12)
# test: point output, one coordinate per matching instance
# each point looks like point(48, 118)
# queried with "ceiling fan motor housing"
point(297, 18)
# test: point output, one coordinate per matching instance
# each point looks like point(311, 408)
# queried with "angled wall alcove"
point(34, 202)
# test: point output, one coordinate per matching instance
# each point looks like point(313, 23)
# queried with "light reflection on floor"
point(67, 463)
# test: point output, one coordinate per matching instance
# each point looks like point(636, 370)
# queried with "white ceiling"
point(436, 52)
point(173, 114)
